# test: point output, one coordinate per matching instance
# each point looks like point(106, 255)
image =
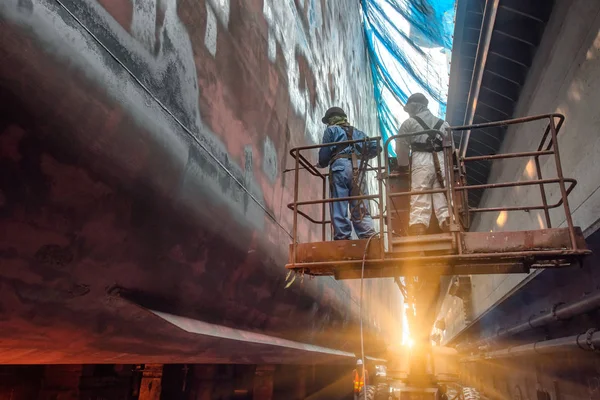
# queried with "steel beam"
point(557, 313)
point(487, 27)
point(481, 253)
point(587, 341)
point(251, 338)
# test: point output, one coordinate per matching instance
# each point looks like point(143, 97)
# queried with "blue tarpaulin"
point(409, 44)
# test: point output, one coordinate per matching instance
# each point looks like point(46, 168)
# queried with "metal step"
point(441, 243)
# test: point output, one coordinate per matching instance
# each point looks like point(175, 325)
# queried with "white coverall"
point(423, 175)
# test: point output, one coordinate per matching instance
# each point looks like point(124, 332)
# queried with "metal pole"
point(295, 232)
point(388, 199)
point(543, 192)
point(485, 36)
point(451, 186)
point(561, 184)
point(380, 176)
point(323, 206)
point(449, 177)
point(587, 341)
point(558, 313)
point(508, 155)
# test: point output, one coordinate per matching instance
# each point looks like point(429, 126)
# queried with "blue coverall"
point(341, 184)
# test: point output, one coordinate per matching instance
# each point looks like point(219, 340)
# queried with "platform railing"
point(449, 182)
point(548, 146)
point(301, 162)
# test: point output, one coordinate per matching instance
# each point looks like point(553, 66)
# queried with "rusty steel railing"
point(548, 146)
point(448, 189)
point(301, 161)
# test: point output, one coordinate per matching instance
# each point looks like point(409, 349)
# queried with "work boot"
point(445, 225)
point(417, 230)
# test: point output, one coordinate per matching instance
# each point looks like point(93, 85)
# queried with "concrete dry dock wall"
point(565, 78)
point(149, 138)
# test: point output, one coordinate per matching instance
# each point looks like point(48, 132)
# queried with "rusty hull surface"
point(127, 130)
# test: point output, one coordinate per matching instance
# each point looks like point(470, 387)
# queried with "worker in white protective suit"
point(424, 174)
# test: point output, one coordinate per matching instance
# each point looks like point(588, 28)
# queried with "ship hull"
point(142, 177)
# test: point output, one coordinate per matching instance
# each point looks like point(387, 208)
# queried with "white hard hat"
point(359, 362)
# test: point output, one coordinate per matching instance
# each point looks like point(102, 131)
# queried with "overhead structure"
point(495, 42)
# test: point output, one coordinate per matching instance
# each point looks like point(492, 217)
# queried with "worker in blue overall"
point(343, 162)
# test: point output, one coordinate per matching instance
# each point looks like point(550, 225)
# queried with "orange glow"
point(502, 218)
point(530, 169)
point(541, 221)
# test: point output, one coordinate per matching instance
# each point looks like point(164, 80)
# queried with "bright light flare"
point(531, 170)
point(501, 220)
point(541, 222)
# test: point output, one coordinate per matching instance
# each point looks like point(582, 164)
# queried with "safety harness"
point(433, 145)
point(336, 154)
point(359, 168)
point(434, 141)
